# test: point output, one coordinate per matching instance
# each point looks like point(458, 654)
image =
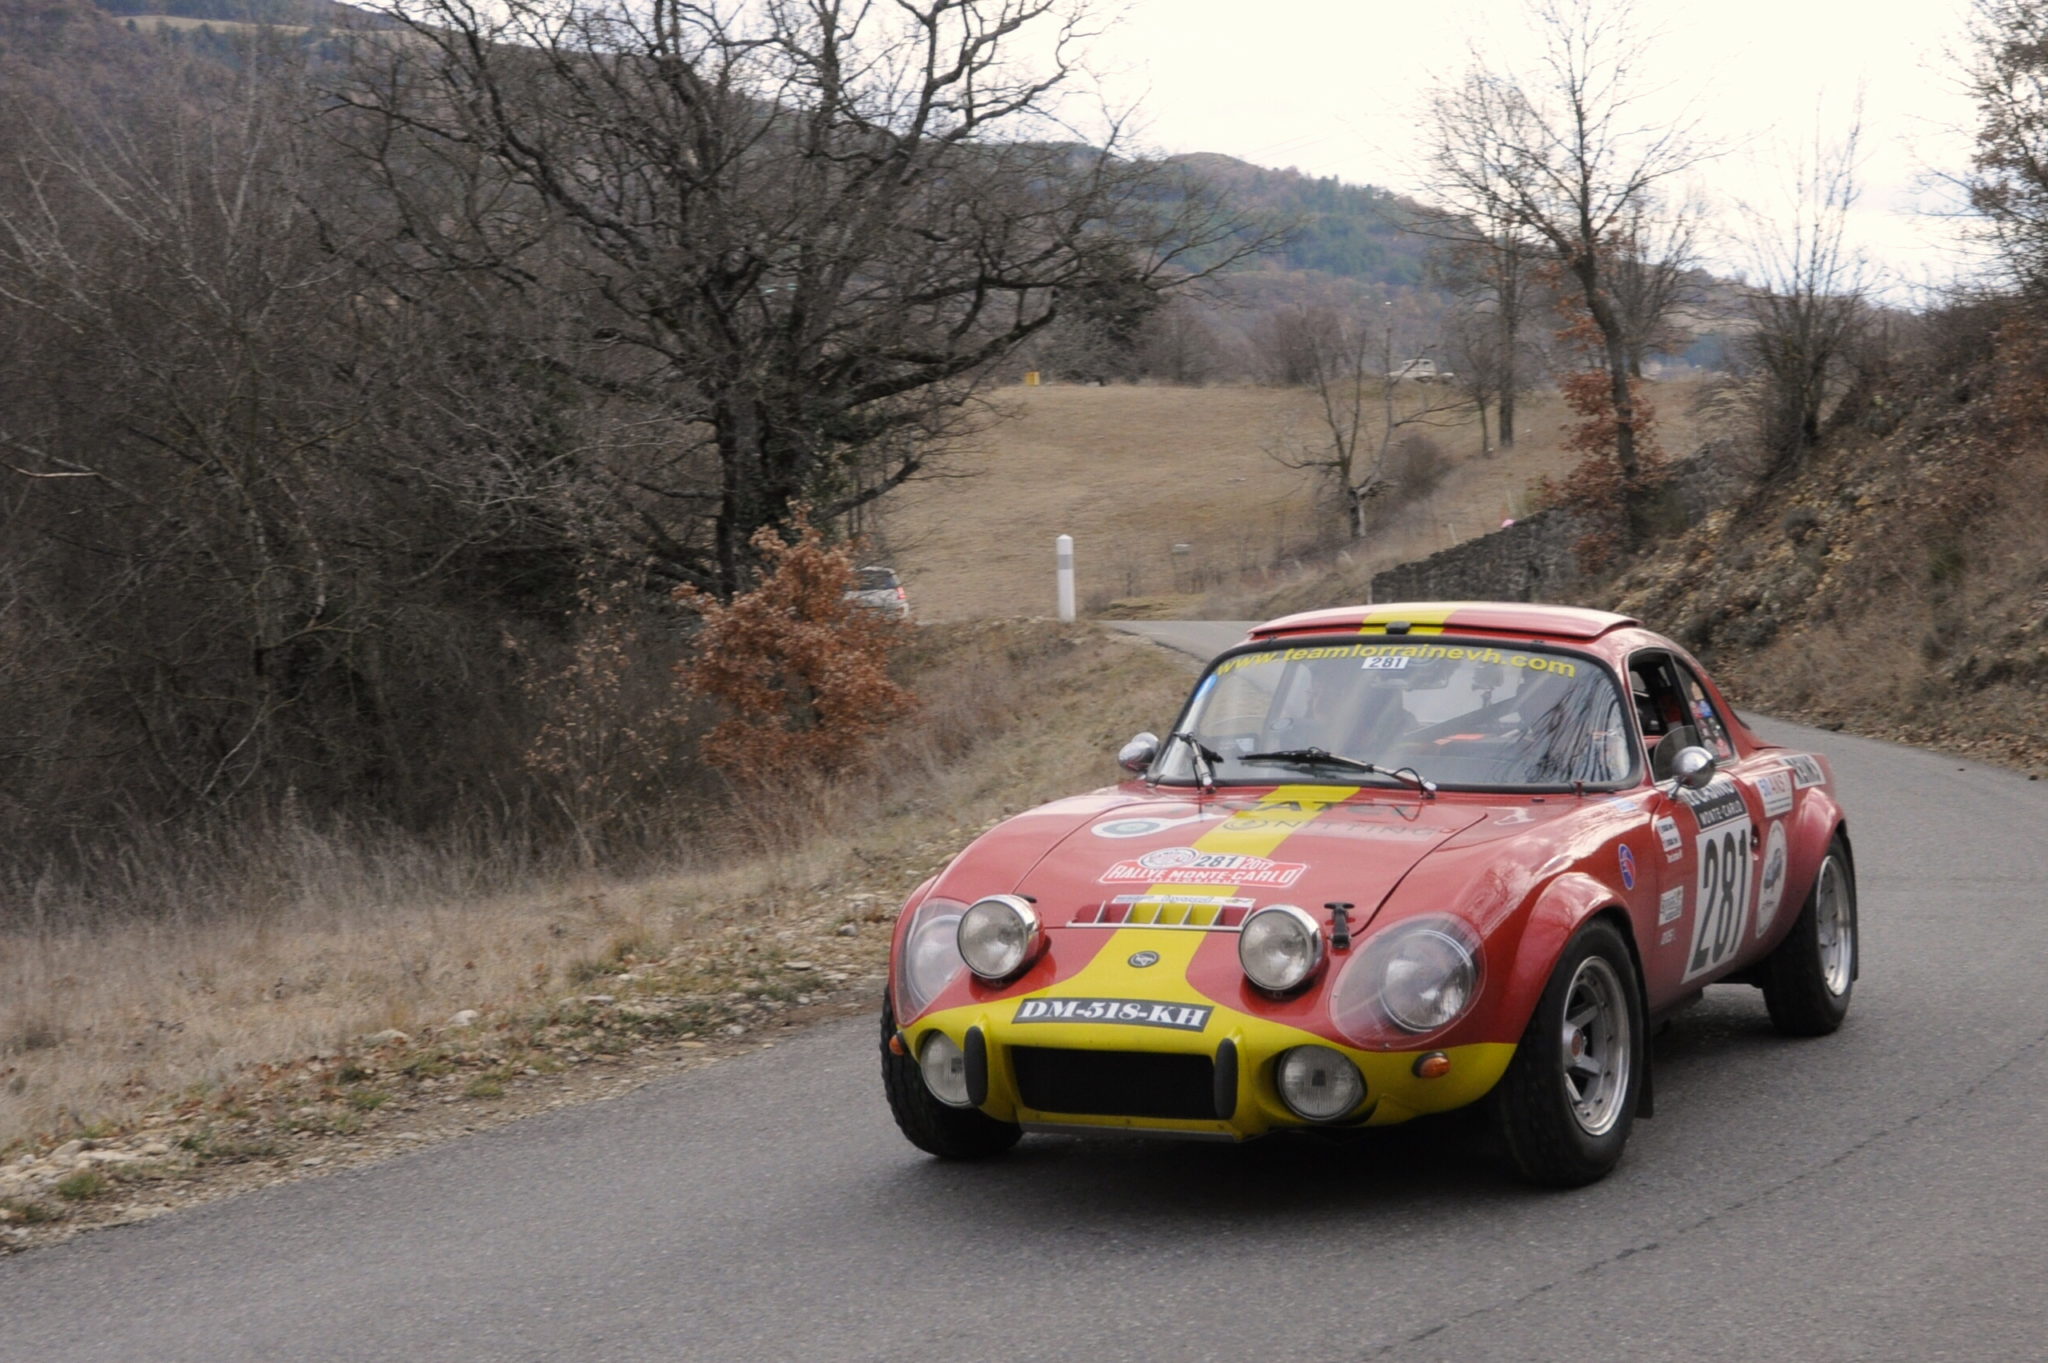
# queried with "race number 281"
point(1723, 896)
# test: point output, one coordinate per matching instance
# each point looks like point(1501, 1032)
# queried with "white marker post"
point(1064, 547)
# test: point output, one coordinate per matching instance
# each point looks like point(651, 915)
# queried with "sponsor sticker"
point(1187, 866)
point(1671, 906)
point(1768, 899)
point(1672, 840)
point(1806, 770)
point(1141, 826)
point(1179, 1017)
point(1628, 868)
point(1667, 937)
point(1398, 656)
point(1776, 788)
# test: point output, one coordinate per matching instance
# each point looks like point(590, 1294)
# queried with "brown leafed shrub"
point(801, 668)
point(1597, 487)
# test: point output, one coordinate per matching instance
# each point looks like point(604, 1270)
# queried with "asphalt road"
point(1875, 1195)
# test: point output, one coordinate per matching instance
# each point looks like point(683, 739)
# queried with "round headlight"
point(1319, 1084)
point(999, 936)
point(1427, 978)
point(1279, 946)
point(931, 955)
point(944, 1067)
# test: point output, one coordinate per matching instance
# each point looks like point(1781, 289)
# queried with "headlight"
point(1318, 1084)
point(931, 955)
point(944, 1066)
point(1279, 947)
point(999, 936)
point(1426, 977)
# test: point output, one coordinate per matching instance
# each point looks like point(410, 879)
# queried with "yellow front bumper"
point(1073, 1027)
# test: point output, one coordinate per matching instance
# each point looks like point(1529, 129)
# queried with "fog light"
point(1319, 1084)
point(944, 1067)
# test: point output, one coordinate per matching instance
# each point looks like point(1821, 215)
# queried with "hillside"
point(295, 13)
point(1348, 231)
point(1898, 585)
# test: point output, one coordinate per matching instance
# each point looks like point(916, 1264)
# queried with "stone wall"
point(1532, 560)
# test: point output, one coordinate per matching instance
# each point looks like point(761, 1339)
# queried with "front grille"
point(1115, 1083)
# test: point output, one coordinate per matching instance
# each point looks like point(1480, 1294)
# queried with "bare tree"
point(1362, 416)
point(1488, 266)
point(1484, 362)
point(1292, 343)
point(788, 240)
point(1178, 346)
point(1808, 308)
point(1485, 257)
point(1653, 261)
point(2009, 181)
point(1570, 154)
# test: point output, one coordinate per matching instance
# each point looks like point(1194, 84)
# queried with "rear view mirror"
point(1137, 754)
point(1693, 768)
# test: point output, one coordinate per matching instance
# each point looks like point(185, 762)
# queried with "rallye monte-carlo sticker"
point(1721, 893)
point(1186, 866)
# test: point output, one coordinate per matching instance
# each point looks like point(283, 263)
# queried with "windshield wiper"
point(1204, 759)
point(1319, 757)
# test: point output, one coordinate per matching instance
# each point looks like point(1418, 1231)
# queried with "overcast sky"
point(1332, 87)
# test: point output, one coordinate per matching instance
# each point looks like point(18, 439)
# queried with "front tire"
point(1568, 1100)
point(1807, 979)
point(949, 1132)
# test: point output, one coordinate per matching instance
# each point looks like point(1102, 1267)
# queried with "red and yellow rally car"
point(1391, 861)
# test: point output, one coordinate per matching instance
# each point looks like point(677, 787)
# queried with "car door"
point(1708, 839)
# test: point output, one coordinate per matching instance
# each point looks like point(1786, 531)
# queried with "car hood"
point(1308, 845)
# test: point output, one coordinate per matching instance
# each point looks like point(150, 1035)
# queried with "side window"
point(1668, 698)
point(1713, 733)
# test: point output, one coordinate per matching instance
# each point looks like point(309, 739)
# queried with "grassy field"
point(108, 1021)
point(1132, 472)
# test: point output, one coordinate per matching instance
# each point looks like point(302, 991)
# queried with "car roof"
point(1519, 619)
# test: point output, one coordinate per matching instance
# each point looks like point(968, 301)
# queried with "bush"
point(800, 668)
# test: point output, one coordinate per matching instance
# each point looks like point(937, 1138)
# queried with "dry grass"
point(99, 1026)
point(1131, 472)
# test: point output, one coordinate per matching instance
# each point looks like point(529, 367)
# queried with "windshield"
point(1455, 712)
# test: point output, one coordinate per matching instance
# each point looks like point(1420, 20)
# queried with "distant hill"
point(296, 13)
point(1350, 231)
